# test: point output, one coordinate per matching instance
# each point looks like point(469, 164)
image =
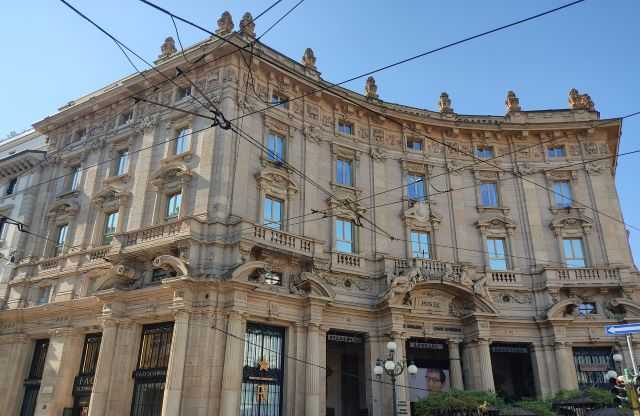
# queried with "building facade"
point(181, 268)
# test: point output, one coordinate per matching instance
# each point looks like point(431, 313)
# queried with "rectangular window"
point(122, 162)
point(110, 226)
point(420, 245)
point(275, 146)
point(414, 144)
point(280, 100)
point(273, 278)
point(32, 383)
point(556, 151)
point(80, 134)
point(344, 236)
point(182, 141)
point(272, 213)
point(173, 205)
point(587, 308)
point(43, 295)
point(344, 127)
point(151, 374)
point(496, 251)
point(416, 185)
point(573, 252)
point(484, 152)
point(489, 194)
point(159, 274)
point(74, 178)
point(125, 118)
point(183, 92)
point(61, 239)
point(343, 172)
point(562, 194)
point(11, 187)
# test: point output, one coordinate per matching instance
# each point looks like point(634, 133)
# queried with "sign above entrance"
point(347, 339)
point(622, 329)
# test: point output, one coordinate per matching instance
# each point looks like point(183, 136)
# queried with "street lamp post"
point(393, 369)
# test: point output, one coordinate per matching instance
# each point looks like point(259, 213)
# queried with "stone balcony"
point(584, 277)
point(279, 240)
point(348, 263)
point(432, 269)
point(154, 235)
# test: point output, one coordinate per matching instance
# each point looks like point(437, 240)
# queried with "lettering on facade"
point(347, 339)
point(426, 345)
point(447, 329)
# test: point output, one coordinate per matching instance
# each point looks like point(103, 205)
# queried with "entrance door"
point(346, 395)
point(512, 371)
point(263, 371)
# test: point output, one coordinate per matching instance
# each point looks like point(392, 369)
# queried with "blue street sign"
point(623, 329)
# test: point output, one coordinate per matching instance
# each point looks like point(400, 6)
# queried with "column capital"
point(181, 315)
point(562, 344)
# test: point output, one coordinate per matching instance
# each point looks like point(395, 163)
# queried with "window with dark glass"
point(4, 227)
point(110, 227)
point(74, 178)
point(275, 146)
point(173, 205)
point(485, 152)
point(61, 239)
point(151, 373)
point(496, 251)
point(11, 187)
point(273, 212)
point(343, 172)
point(414, 144)
point(32, 383)
point(44, 293)
point(183, 92)
point(556, 151)
point(573, 252)
point(345, 127)
point(182, 140)
point(83, 383)
point(489, 194)
point(420, 245)
point(344, 236)
point(279, 100)
point(125, 118)
point(416, 186)
point(562, 194)
point(587, 308)
point(159, 274)
point(122, 162)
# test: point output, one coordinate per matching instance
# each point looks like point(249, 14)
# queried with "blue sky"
point(51, 56)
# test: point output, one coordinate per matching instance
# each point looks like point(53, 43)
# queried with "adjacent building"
point(175, 267)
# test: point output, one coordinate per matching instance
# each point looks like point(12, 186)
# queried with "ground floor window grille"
point(263, 371)
point(32, 383)
point(151, 374)
point(592, 365)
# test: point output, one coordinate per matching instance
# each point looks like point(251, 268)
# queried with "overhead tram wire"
point(367, 105)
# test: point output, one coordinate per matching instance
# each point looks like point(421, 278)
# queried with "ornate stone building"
point(180, 268)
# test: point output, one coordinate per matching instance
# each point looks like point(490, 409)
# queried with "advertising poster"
point(428, 380)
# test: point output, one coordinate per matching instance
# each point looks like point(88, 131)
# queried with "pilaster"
point(565, 366)
point(102, 378)
point(175, 370)
point(233, 360)
point(455, 365)
point(16, 353)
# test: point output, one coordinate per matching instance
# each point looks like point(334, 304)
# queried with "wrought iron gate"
point(32, 383)
point(151, 373)
point(263, 371)
point(592, 365)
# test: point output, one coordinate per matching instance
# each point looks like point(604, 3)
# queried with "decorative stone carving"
point(247, 25)
point(579, 101)
point(571, 222)
point(378, 154)
point(490, 222)
point(118, 276)
point(225, 24)
point(371, 89)
point(505, 297)
point(309, 59)
point(512, 102)
point(594, 168)
point(111, 195)
point(173, 263)
point(445, 104)
point(167, 48)
point(422, 214)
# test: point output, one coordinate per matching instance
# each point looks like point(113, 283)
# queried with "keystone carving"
point(512, 102)
point(579, 101)
point(247, 26)
point(167, 48)
point(225, 24)
point(445, 104)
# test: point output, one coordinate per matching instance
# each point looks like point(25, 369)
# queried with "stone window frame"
point(407, 138)
point(550, 146)
point(269, 187)
point(118, 146)
point(182, 86)
point(355, 234)
point(344, 119)
point(74, 160)
point(414, 168)
point(61, 213)
point(167, 185)
point(561, 175)
point(107, 201)
point(573, 226)
point(490, 176)
point(173, 127)
point(273, 125)
point(428, 229)
point(283, 105)
point(491, 228)
point(340, 151)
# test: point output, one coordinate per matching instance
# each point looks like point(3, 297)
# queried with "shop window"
point(32, 383)
point(83, 383)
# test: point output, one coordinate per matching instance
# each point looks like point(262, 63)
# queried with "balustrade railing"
point(504, 278)
point(144, 235)
point(348, 260)
point(430, 269)
point(281, 239)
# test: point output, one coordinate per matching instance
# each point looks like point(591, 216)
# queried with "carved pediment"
point(111, 194)
point(273, 180)
point(119, 276)
point(63, 209)
point(422, 214)
point(169, 172)
point(571, 222)
point(491, 222)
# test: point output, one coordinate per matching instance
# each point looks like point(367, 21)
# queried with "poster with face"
point(428, 380)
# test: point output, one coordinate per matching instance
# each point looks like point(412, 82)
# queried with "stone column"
point(61, 366)
point(125, 360)
point(541, 377)
point(313, 381)
point(18, 352)
point(175, 370)
point(483, 355)
point(300, 368)
point(102, 379)
point(455, 365)
point(566, 366)
point(233, 363)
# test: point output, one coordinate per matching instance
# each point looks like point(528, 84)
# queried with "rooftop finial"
point(247, 26)
point(225, 24)
point(371, 89)
point(579, 101)
point(512, 102)
point(445, 103)
point(167, 48)
point(309, 59)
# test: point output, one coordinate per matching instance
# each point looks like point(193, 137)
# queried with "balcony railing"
point(348, 263)
point(281, 240)
point(592, 276)
point(431, 269)
point(98, 253)
point(504, 278)
point(156, 232)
